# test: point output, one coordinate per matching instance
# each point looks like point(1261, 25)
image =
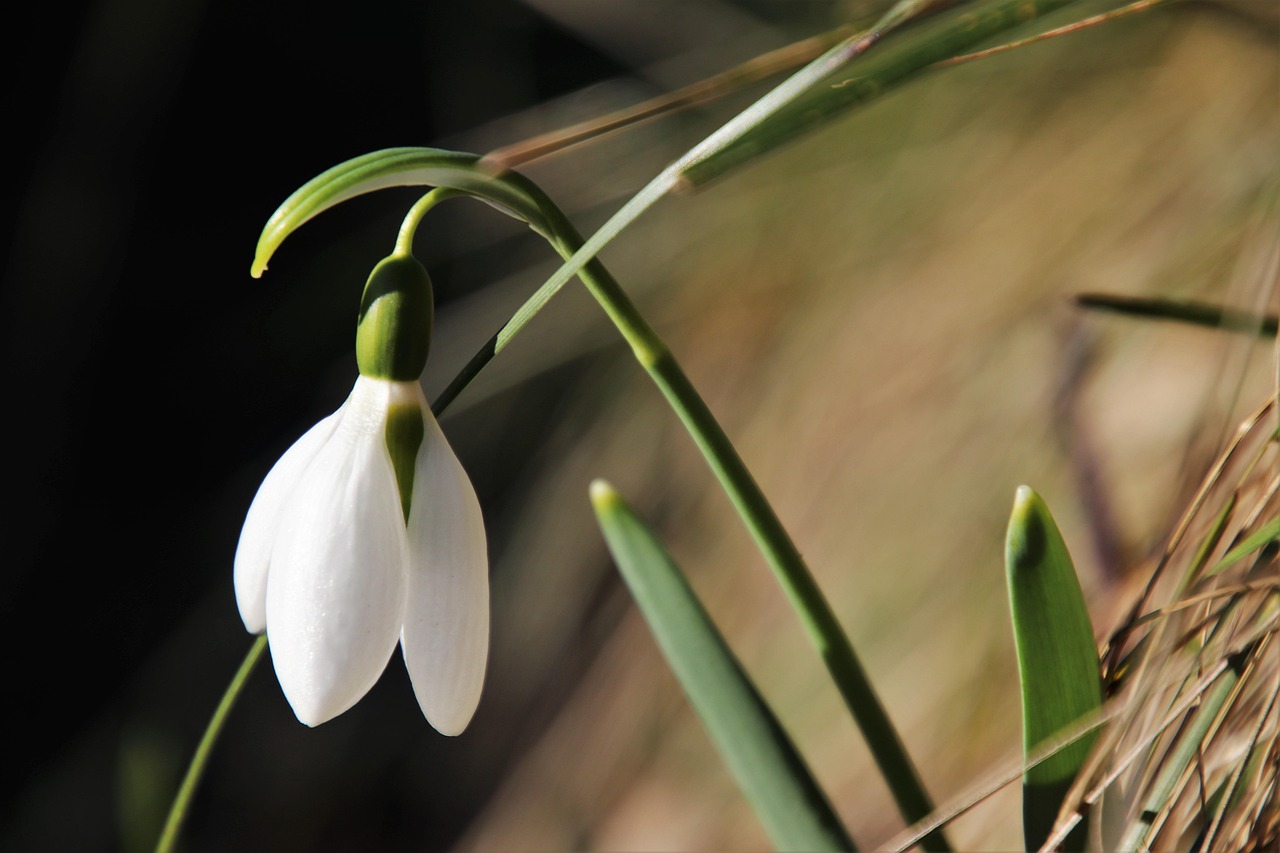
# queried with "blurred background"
point(880, 315)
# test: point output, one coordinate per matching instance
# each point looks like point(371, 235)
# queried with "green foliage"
point(1057, 661)
point(756, 748)
point(1181, 760)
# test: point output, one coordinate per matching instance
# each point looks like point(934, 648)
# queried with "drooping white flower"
point(366, 533)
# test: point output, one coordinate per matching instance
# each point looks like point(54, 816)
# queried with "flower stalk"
point(771, 537)
point(195, 770)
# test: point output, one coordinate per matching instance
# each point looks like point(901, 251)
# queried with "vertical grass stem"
point(802, 591)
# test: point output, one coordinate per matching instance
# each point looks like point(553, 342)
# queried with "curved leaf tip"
point(1027, 539)
point(400, 167)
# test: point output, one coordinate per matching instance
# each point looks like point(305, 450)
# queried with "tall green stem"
point(816, 615)
point(815, 612)
point(182, 802)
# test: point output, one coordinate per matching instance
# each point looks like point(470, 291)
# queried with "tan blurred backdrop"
point(881, 317)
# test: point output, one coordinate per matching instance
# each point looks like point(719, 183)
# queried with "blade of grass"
point(991, 18)
point(1231, 792)
point(753, 71)
point(946, 36)
point(1257, 540)
point(1057, 32)
point(757, 750)
point(1178, 764)
point(1247, 431)
point(1057, 661)
point(756, 70)
point(989, 785)
point(1210, 541)
point(1183, 311)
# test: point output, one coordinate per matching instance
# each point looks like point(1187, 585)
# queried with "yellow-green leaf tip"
point(1027, 536)
point(259, 265)
point(603, 495)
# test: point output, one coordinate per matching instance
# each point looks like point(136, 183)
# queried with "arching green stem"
point(779, 551)
point(412, 219)
point(187, 790)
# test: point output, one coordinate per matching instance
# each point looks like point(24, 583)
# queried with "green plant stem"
point(409, 227)
point(672, 177)
point(819, 620)
point(780, 552)
point(187, 790)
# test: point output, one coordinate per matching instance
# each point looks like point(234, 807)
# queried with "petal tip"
point(313, 710)
point(452, 722)
point(253, 624)
point(310, 720)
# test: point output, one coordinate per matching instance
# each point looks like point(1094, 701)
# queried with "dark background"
point(153, 383)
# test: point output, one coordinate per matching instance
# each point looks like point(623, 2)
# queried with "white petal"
point(446, 629)
point(253, 553)
point(336, 589)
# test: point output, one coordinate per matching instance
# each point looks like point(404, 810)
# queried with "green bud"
point(393, 333)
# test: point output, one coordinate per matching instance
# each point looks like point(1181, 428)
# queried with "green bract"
point(393, 335)
point(404, 434)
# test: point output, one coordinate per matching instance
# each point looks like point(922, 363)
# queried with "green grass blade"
point(1209, 542)
point(1057, 661)
point(1258, 540)
point(1182, 311)
point(872, 75)
point(772, 774)
point(1180, 759)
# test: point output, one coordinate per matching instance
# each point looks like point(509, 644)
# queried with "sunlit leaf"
point(1057, 661)
point(1256, 541)
point(772, 774)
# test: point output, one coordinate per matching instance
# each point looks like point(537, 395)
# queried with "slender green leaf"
point(1182, 311)
point(872, 75)
point(1057, 661)
point(1209, 542)
point(1180, 758)
point(1259, 539)
point(772, 774)
point(1230, 795)
point(397, 167)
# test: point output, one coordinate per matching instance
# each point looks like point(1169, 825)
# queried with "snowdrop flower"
point(367, 532)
